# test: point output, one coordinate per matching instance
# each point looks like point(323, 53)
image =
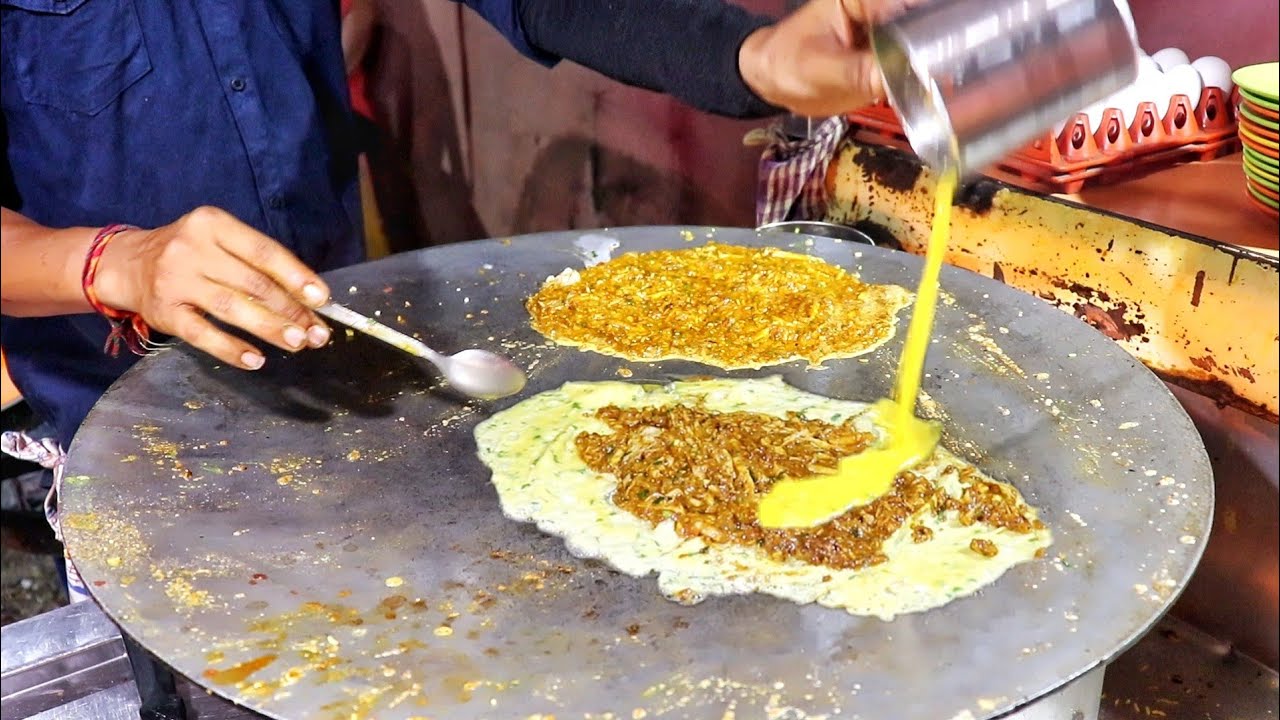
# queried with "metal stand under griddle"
point(71, 664)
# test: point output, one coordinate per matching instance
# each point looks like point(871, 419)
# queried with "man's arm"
point(42, 267)
point(712, 54)
point(205, 266)
point(684, 48)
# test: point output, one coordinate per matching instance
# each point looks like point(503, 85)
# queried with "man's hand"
point(817, 61)
point(208, 263)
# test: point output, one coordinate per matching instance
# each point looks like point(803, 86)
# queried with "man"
point(142, 116)
point(221, 133)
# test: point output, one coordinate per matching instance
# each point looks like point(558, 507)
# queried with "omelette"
point(666, 480)
point(725, 306)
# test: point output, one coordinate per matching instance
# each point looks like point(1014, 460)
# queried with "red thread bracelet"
point(127, 328)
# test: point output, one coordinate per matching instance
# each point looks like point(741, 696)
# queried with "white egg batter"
point(540, 478)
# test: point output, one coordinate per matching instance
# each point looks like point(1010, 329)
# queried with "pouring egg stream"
point(859, 479)
point(908, 440)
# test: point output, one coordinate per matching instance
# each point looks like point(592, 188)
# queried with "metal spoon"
point(478, 373)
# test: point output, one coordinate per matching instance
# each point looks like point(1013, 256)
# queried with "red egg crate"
point(1081, 156)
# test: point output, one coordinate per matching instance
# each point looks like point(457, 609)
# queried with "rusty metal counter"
point(1181, 271)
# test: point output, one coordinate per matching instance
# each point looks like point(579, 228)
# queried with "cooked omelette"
point(667, 479)
point(726, 306)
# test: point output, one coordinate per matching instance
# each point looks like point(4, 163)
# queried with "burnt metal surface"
point(1178, 671)
point(318, 539)
point(1235, 592)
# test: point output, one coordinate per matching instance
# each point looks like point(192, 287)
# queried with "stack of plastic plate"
point(1259, 119)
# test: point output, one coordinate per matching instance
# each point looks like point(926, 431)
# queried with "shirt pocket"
point(76, 55)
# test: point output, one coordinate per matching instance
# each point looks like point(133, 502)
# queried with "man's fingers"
point(272, 258)
point(873, 12)
point(235, 308)
point(837, 82)
point(855, 10)
point(209, 263)
point(203, 335)
point(266, 255)
point(843, 23)
point(863, 80)
point(231, 273)
point(817, 62)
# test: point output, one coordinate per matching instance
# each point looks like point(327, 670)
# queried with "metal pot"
point(973, 80)
point(835, 231)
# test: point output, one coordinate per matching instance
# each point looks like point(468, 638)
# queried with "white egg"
point(1170, 57)
point(1149, 87)
point(1124, 101)
point(1215, 72)
point(1147, 69)
point(1184, 80)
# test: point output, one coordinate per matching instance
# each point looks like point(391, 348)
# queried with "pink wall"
point(502, 146)
point(1242, 32)
point(497, 145)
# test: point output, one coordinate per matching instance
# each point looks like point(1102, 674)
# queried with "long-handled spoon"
point(478, 373)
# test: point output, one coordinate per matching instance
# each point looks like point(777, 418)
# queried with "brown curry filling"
point(707, 472)
point(730, 306)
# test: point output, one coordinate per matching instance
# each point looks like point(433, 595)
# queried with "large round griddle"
point(314, 501)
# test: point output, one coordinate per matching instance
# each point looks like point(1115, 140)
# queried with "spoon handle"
point(373, 328)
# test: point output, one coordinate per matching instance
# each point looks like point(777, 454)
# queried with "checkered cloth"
point(46, 453)
point(793, 173)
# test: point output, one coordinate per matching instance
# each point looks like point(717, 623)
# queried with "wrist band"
point(127, 328)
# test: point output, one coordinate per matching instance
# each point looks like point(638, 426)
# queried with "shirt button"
point(237, 84)
point(276, 202)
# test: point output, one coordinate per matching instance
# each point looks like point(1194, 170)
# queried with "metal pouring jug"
point(973, 80)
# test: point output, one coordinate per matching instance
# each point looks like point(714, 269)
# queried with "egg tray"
point(1080, 155)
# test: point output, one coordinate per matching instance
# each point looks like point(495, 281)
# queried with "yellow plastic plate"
point(1262, 80)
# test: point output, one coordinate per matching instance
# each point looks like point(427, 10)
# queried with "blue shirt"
point(138, 112)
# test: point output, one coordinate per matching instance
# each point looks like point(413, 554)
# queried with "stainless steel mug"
point(973, 80)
